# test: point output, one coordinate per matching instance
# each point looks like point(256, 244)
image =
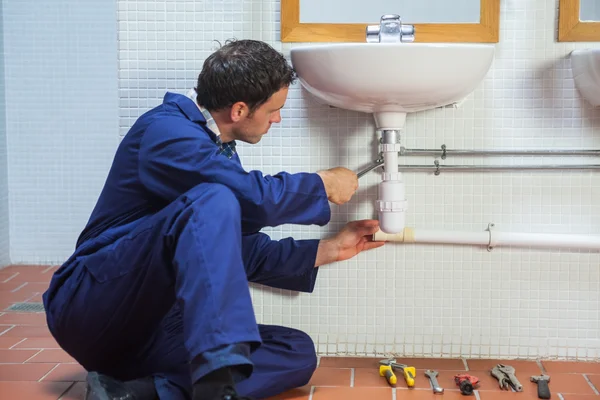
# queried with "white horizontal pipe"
point(493, 238)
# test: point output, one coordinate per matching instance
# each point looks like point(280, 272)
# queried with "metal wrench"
point(510, 375)
point(434, 383)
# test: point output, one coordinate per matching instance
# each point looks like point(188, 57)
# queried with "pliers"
point(506, 377)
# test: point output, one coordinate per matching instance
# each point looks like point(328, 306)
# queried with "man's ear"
point(239, 111)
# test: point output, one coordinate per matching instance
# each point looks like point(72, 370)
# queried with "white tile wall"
point(415, 300)
point(4, 242)
point(62, 112)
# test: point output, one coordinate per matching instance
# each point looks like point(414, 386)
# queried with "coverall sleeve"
point(175, 155)
point(283, 264)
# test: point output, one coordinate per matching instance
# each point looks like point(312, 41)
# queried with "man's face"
point(251, 128)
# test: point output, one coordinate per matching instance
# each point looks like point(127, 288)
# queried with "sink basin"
point(391, 79)
point(585, 65)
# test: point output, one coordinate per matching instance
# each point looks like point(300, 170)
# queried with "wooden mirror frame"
point(571, 28)
point(486, 31)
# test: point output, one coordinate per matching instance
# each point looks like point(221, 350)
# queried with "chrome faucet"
point(390, 30)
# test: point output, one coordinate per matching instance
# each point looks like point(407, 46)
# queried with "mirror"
point(589, 10)
point(579, 21)
point(434, 20)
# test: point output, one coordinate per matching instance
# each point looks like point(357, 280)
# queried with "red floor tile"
point(24, 372)
point(352, 393)
point(325, 376)
point(567, 367)
point(76, 392)
point(25, 331)
point(10, 318)
point(8, 342)
point(52, 356)
point(16, 356)
point(595, 380)
point(37, 343)
point(67, 373)
point(524, 367)
point(33, 390)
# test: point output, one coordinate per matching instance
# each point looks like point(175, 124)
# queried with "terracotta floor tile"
point(570, 384)
point(67, 373)
point(370, 362)
point(10, 318)
point(7, 299)
point(352, 393)
point(52, 356)
point(325, 376)
point(32, 390)
point(34, 287)
point(567, 367)
point(37, 343)
point(16, 356)
point(420, 394)
point(28, 332)
point(369, 377)
point(8, 342)
point(9, 286)
point(24, 372)
point(525, 367)
point(503, 395)
point(76, 392)
point(595, 379)
point(302, 393)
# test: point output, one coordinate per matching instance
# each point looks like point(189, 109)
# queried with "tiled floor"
point(33, 367)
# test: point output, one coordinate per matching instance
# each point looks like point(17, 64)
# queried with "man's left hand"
point(356, 236)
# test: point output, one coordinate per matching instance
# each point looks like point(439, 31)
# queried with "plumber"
point(155, 302)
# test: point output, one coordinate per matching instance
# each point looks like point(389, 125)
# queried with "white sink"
point(585, 65)
point(391, 79)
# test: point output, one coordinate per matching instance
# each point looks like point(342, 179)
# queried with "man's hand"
point(340, 184)
point(352, 239)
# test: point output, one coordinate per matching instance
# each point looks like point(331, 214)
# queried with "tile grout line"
point(394, 393)
point(62, 396)
point(22, 340)
point(591, 384)
point(560, 396)
point(39, 351)
point(16, 273)
point(14, 290)
point(47, 269)
point(312, 391)
point(476, 393)
point(464, 360)
point(49, 372)
point(351, 377)
point(8, 329)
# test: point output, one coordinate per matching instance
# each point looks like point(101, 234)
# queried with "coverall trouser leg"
point(285, 360)
point(109, 314)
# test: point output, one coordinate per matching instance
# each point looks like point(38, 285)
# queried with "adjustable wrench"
point(434, 383)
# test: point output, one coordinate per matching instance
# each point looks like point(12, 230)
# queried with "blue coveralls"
point(159, 278)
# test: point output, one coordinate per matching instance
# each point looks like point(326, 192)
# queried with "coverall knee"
point(107, 303)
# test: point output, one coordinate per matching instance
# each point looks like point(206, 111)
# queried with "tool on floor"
point(542, 385)
point(506, 377)
point(432, 375)
point(390, 377)
point(408, 372)
point(466, 383)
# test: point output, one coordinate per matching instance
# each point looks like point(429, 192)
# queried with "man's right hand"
point(340, 184)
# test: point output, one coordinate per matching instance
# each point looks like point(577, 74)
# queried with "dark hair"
point(242, 70)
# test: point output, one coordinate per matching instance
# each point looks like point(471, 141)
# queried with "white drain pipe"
point(492, 238)
point(392, 203)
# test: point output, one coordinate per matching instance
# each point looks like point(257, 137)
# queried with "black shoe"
point(229, 393)
point(225, 392)
point(103, 387)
